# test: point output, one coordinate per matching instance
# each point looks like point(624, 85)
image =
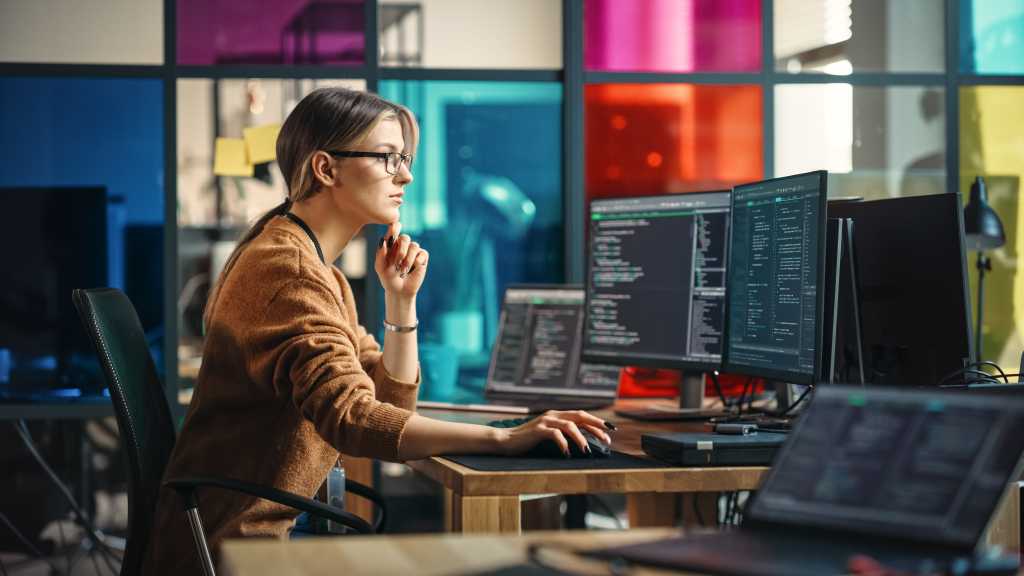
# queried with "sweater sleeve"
point(311, 353)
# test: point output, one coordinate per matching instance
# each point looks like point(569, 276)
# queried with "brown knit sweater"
point(289, 379)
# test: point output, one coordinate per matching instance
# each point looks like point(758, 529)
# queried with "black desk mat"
point(617, 461)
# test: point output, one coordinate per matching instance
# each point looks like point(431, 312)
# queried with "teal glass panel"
point(992, 36)
point(486, 203)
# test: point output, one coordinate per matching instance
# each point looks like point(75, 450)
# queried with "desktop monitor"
point(52, 240)
point(774, 291)
point(656, 280)
point(912, 266)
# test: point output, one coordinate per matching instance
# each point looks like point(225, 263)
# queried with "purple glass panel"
point(673, 35)
point(270, 32)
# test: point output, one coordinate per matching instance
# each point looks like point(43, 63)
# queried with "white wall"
point(488, 33)
point(82, 31)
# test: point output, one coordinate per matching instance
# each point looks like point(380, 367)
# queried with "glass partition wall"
point(529, 108)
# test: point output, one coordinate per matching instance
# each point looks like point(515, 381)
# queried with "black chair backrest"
point(143, 414)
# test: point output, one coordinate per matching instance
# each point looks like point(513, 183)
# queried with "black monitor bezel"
point(646, 361)
point(767, 373)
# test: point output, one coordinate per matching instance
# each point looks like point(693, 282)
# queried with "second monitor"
point(776, 279)
point(656, 280)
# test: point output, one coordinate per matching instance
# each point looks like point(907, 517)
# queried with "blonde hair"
point(326, 119)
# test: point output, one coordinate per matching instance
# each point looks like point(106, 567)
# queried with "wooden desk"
point(478, 501)
point(430, 555)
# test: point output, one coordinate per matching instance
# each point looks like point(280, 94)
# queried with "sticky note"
point(261, 143)
point(229, 158)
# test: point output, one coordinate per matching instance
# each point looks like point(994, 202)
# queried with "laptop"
point(908, 477)
point(535, 362)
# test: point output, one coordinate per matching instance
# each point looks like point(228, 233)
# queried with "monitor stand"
point(691, 404)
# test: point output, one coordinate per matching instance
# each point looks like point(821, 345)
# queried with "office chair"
point(148, 435)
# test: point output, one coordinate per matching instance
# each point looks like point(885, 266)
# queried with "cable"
point(718, 389)
point(983, 376)
point(992, 364)
point(798, 401)
point(970, 369)
point(22, 429)
point(743, 394)
point(28, 544)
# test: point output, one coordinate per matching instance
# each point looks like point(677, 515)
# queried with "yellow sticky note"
point(261, 143)
point(229, 158)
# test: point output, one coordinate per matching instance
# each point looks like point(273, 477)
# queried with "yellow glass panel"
point(992, 146)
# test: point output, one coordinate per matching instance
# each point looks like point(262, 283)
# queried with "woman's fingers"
point(597, 432)
point(556, 435)
point(405, 265)
point(398, 251)
point(569, 430)
point(421, 262)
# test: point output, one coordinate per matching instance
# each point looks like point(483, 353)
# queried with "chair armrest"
point(364, 491)
point(186, 487)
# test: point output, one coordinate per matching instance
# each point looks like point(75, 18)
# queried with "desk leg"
point(481, 514)
point(360, 470)
point(652, 509)
point(1004, 530)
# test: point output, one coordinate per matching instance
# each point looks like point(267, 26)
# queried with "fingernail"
point(609, 425)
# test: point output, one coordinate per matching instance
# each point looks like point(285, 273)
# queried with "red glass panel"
point(647, 139)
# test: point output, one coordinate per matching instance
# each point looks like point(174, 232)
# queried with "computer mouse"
point(550, 448)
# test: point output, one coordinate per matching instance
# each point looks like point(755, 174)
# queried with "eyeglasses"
point(392, 160)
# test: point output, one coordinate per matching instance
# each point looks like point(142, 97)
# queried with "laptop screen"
point(537, 349)
point(928, 466)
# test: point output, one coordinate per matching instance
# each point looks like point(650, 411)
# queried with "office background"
point(529, 108)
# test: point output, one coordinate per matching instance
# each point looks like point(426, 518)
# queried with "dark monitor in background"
point(774, 291)
point(912, 266)
point(144, 275)
point(656, 280)
point(52, 240)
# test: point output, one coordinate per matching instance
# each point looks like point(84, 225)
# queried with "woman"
point(289, 377)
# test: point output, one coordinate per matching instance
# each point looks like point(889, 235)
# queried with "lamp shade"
point(982, 227)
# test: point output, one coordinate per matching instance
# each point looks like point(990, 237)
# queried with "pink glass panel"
point(673, 35)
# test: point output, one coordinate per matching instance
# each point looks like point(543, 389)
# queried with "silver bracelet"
point(398, 328)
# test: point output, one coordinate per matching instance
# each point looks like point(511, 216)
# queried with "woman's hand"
point(401, 264)
point(562, 427)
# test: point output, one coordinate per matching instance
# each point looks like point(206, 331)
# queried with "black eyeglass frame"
point(402, 157)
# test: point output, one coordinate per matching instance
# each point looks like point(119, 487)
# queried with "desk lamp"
point(983, 231)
